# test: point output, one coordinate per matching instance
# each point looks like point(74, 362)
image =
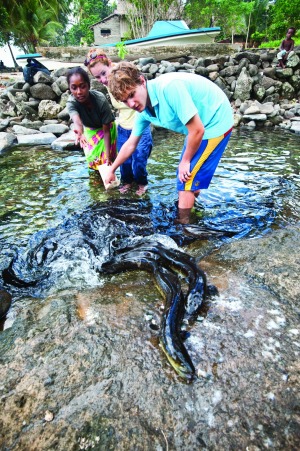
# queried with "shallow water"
point(255, 188)
point(256, 184)
point(57, 225)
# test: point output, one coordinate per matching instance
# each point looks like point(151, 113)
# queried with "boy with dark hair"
point(286, 48)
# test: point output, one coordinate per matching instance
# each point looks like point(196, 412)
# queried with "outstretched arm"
point(78, 130)
point(125, 152)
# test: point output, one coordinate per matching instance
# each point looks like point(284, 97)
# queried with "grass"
point(277, 42)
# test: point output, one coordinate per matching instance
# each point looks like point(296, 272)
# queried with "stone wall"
point(171, 53)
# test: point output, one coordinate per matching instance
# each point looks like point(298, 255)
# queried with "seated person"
point(286, 48)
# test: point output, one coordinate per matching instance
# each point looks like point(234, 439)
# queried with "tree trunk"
point(12, 55)
point(246, 44)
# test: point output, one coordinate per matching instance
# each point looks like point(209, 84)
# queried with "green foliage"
point(127, 36)
point(270, 44)
point(231, 15)
point(43, 25)
point(197, 14)
point(122, 50)
point(86, 13)
point(258, 37)
point(31, 22)
point(4, 25)
point(284, 14)
point(275, 44)
point(78, 31)
point(28, 23)
point(141, 14)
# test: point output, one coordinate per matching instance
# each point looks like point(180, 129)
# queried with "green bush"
point(277, 42)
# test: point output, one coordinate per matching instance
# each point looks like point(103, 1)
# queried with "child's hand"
point(83, 142)
point(184, 172)
point(80, 139)
point(110, 176)
point(77, 136)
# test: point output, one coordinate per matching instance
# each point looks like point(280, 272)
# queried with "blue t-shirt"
point(177, 97)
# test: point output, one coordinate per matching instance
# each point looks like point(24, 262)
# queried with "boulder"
point(6, 140)
point(20, 130)
point(243, 86)
point(48, 109)
point(56, 129)
point(65, 141)
point(42, 91)
point(287, 91)
point(293, 61)
point(5, 302)
point(36, 139)
point(252, 57)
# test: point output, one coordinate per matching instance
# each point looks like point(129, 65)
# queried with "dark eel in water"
point(182, 263)
point(154, 259)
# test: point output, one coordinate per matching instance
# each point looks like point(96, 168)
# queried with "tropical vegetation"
point(31, 23)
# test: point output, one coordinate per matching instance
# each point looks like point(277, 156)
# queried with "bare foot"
point(141, 190)
point(125, 188)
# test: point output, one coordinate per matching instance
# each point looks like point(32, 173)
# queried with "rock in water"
point(5, 302)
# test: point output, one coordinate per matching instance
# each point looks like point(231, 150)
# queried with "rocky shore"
point(261, 94)
point(82, 370)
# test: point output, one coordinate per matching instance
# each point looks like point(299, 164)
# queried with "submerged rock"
point(5, 302)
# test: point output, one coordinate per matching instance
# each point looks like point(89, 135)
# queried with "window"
point(105, 32)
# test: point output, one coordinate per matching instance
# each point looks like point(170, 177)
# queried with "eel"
point(170, 332)
point(183, 263)
point(10, 277)
point(5, 302)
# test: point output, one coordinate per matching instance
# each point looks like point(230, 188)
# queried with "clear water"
point(256, 184)
point(57, 223)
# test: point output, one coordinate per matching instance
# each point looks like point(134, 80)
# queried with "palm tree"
point(35, 24)
point(28, 23)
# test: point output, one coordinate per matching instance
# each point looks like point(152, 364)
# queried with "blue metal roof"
point(28, 55)
point(162, 29)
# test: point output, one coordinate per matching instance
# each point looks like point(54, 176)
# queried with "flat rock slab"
point(65, 141)
point(38, 139)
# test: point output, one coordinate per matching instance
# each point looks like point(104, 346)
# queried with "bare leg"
point(281, 63)
point(186, 200)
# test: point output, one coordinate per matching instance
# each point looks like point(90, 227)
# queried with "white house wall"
point(113, 25)
point(124, 26)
